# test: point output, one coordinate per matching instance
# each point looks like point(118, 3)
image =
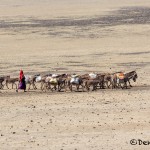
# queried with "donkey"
point(39, 79)
point(98, 81)
point(108, 80)
point(2, 79)
point(127, 77)
point(57, 82)
point(91, 82)
point(31, 80)
point(11, 81)
point(73, 80)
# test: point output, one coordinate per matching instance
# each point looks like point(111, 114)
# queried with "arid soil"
point(68, 36)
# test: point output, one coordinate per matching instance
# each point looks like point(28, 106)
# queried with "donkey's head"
point(135, 76)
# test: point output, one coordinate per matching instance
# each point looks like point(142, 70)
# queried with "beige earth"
point(74, 36)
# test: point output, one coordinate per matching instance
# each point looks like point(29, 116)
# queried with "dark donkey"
point(127, 77)
point(2, 79)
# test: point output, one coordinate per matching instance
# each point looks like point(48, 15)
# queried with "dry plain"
point(68, 36)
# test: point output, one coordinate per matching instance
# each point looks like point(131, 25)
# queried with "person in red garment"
point(22, 82)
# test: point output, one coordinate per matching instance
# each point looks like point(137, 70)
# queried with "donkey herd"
point(86, 82)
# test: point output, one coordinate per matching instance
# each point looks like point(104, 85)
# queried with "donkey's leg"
point(87, 87)
point(70, 87)
point(96, 86)
point(16, 86)
point(29, 86)
point(58, 87)
point(55, 87)
point(66, 86)
point(122, 86)
point(1, 85)
point(77, 86)
point(129, 83)
point(7, 85)
point(108, 85)
point(34, 86)
point(119, 85)
point(115, 85)
point(49, 86)
point(61, 85)
point(112, 84)
point(4, 85)
point(44, 87)
point(102, 85)
point(93, 87)
point(42, 84)
point(13, 85)
point(82, 87)
point(126, 85)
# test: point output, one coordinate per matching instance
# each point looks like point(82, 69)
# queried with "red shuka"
point(21, 75)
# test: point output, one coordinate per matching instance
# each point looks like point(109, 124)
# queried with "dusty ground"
point(73, 36)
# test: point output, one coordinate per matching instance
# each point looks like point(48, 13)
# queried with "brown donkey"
point(95, 83)
point(11, 81)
